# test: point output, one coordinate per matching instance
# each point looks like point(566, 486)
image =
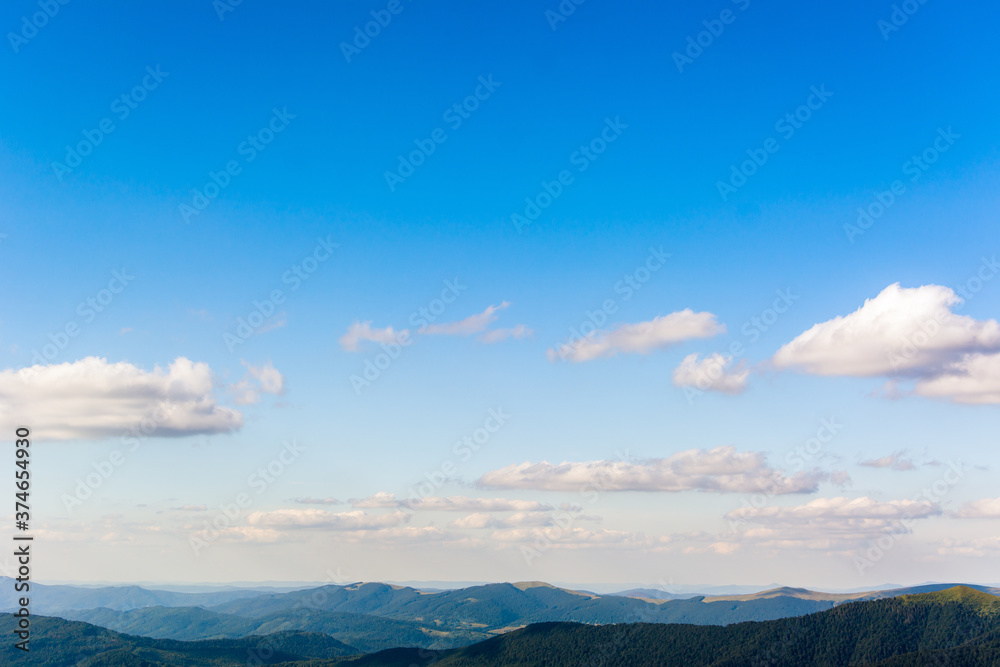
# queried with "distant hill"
point(53, 599)
point(955, 626)
point(496, 606)
point(650, 594)
point(925, 588)
point(375, 616)
point(365, 632)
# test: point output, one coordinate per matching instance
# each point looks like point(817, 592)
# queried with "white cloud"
point(985, 508)
point(474, 324)
point(639, 338)
point(840, 508)
point(556, 537)
point(317, 501)
point(711, 374)
point(974, 380)
point(828, 523)
point(450, 504)
point(277, 321)
point(470, 325)
point(265, 379)
point(316, 518)
point(465, 504)
point(484, 520)
point(477, 520)
point(92, 398)
point(496, 335)
point(896, 461)
point(910, 331)
point(377, 501)
point(190, 508)
point(983, 547)
point(251, 534)
point(722, 469)
point(363, 331)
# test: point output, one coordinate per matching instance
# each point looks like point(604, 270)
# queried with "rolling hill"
point(959, 626)
point(377, 616)
point(366, 632)
point(56, 642)
point(47, 599)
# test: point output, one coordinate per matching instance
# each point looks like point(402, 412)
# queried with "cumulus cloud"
point(711, 374)
point(470, 325)
point(257, 380)
point(360, 332)
point(907, 331)
point(92, 398)
point(316, 518)
point(985, 508)
point(722, 470)
point(829, 522)
point(639, 338)
point(895, 461)
point(974, 380)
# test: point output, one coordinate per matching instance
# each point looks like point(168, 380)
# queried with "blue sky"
point(343, 124)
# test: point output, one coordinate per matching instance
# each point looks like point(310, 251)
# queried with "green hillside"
point(495, 606)
point(366, 632)
point(57, 643)
point(958, 626)
point(373, 617)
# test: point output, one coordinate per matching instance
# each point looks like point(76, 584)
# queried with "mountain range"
point(959, 625)
point(370, 617)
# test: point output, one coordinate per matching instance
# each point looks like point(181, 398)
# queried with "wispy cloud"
point(263, 379)
point(450, 504)
point(316, 518)
point(639, 338)
point(317, 501)
point(828, 523)
point(895, 461)
point(360, 332)
point(985, 508)
point(498, 335)
point(722, 470)
point(470, 325)
point(474, 324)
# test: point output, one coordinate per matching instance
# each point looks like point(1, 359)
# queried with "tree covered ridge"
point(957, 626)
